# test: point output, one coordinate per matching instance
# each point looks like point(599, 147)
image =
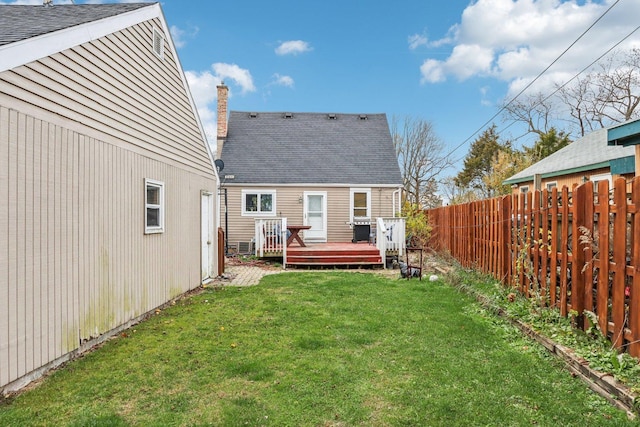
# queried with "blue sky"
point(449, 62)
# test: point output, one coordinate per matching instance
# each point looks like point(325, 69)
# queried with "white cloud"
point(514, 40)
point(179, 36)
point(205, 93)
point(417, 40)
point(239, 76)
point(432, 71)
point(280, 80)
point(293, 47)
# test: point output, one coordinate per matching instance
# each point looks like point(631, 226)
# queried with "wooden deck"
point(334, 254)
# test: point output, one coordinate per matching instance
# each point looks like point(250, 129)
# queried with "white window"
point(551, 185)
point(153, 206)
point(158, 43)
point(599, 178)
point(360, 203)
point(258, 202)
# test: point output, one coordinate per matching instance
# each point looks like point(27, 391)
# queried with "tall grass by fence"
point(575, 250)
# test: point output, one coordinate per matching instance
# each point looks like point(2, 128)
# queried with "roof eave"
point(25, 51)
point(625, 134)
point(554, 174)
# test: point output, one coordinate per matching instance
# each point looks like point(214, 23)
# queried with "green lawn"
point(316, 349)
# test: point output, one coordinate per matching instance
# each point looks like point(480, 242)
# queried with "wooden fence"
point(575, 250)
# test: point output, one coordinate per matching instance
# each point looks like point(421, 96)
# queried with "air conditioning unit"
point(245, 248)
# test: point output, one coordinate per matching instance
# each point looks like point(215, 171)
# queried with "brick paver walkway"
point(244, 275)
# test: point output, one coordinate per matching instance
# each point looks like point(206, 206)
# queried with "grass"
point(591, 345)
point(316, 349)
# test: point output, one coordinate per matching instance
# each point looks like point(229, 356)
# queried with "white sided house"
point(107, 184)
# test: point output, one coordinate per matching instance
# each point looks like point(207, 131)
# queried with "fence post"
point(634, 303)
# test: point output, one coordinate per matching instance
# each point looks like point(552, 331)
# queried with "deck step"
point(334, 259)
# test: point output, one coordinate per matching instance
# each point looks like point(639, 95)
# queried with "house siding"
point(241, 228)
point(115, 89)
point(79, 133)
point(74, 260)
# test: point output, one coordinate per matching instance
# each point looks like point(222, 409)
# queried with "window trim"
point(258, 213)
point(553, 184)
point(352, 192)
point(154, 229)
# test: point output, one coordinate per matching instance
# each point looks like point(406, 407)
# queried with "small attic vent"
point(332, 116)
point(363, 117)
point(287, 115)
point(158, 43)
point(253, 115)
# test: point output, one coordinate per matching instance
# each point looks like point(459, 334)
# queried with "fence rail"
point(576, 250)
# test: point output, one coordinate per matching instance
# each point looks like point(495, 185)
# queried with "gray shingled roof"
point(23, 22)
point(309, 148)
point(588, 152)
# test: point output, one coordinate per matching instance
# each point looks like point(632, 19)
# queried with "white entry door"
point(207, 239)
point(315, 215)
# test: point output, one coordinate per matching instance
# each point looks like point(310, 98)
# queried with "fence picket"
point(619, 260)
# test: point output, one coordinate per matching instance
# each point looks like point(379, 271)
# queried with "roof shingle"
point(310, 148)
point(19, 23)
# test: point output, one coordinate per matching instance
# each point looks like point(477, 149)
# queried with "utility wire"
point(504, 107)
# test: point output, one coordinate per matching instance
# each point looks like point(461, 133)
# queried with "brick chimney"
point(223, 96)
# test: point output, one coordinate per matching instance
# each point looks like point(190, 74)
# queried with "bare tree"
point(577, 97)
point(618, 89)
point(609, 94)
point(535, 111)
point(421, 158)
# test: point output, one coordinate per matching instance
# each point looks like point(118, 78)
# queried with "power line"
point(542, 73)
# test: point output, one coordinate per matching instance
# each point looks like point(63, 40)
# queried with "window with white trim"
point(551, 185)
point(360, 203)
point(599, 178)
point(158, 43)
point(153, 206)
point(258, 202)
point(524, 189)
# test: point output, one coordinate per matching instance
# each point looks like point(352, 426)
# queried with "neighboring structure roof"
point(29, 33)
point(310, 148)
point(587, 153)
point(624, 134)
point(23, 22)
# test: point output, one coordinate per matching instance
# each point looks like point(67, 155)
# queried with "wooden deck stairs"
point(340, 255)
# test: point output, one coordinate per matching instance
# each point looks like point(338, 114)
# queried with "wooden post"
point(619, 260)
point(634, 303)
point(553, 261)
point(564, 251)
point(505, 250)
point(577, 255)
point(602, 302)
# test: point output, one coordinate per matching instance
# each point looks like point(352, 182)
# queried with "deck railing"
point(390, 236)
point(271, 237)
